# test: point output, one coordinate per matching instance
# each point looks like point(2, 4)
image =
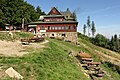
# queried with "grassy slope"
point(50, 63)
point(94, 51)
point(53, 63)
point(16, 36)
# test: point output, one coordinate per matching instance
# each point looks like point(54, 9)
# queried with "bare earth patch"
point(8, 48)
point(15, 49)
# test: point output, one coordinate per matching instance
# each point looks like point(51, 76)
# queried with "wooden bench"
point(36, 39)
point(93, 63)
point(100, 73)
point(85, 60)
point(84, 55)
point(25, 41)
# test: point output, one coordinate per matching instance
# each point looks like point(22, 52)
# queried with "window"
point(56, 28)
point(60, 19)
point(48, 27)
point(53, 19)
point(69, 27)
point(57, 19)
point(47, 20)
point(52, 27)
point(66, 27)
point(42, 27)
point(62, 28)
point(59, 28)
point(74, 27)
point(38, 27)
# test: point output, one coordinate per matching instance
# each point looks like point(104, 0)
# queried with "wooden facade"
point(55, 23)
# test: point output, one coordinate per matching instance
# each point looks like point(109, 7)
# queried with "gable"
point(54, 11)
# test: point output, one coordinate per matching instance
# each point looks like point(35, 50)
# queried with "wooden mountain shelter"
point(56, 24)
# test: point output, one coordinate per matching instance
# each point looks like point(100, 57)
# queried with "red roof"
point(54, 11)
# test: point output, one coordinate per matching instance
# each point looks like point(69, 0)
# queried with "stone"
point(13, 74)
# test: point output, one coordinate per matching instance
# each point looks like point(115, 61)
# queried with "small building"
point(56, 24)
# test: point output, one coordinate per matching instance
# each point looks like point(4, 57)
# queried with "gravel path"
point(8, 48)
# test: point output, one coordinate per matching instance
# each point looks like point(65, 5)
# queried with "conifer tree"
point(84, 29)
point(93, 28)
point(88, 25)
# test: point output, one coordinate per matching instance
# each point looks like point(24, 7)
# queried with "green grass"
point(53, 62)
point(50, 63)
point(90, 48)
point(16, 36)
point(7, 37)
point(24, 34)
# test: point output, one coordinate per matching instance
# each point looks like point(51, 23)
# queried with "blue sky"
point(105, 13)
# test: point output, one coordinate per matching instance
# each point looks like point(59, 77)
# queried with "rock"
point(13, 74)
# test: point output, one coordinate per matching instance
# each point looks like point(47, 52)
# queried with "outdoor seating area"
point(31, 40)
point(92, 67)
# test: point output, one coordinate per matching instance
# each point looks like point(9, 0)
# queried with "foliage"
point(39, 12)
point(113, 67)
point(112, 44)
point(74, 16)
point(13, 11)
point(94, 50)
point(84, 29)
point(88, 25)
point(93, 28)
point(83, 37)
point(101, 40)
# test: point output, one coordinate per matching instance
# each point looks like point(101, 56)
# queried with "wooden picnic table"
point(93, 64)
point(84, 55)
point(25, 41)
point(85, 60)
point(93, 68)
point(36, 39)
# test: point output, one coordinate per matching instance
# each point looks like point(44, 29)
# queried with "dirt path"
point(8, 48)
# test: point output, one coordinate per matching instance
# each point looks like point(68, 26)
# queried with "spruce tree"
point(88, 25)
point(84, 29)
point(93, 28)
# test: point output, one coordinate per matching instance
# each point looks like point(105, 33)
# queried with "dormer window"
point(47, 19)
